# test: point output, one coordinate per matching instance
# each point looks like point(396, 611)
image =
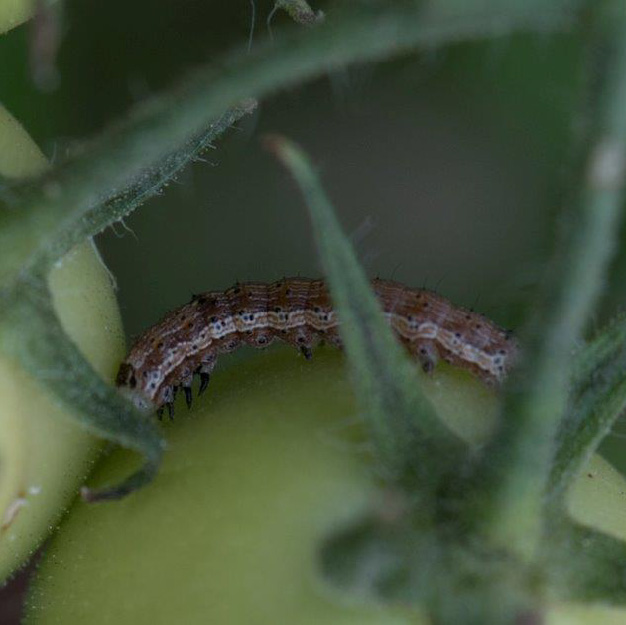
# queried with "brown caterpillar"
point(299, 311)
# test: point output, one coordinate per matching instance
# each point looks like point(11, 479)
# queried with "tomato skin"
point(15, 12)
point(47, 455)
point(255, 475)
point(269, 462)
point(44, 457)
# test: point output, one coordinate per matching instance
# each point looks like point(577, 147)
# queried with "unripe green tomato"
point(15, 12)
point(267, 464)
point(44, 457)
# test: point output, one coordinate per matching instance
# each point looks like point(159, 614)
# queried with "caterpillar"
point(299, 311)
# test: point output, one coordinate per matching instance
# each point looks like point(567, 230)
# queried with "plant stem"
point(118, 158)
point(510, 483)
point(148, 185)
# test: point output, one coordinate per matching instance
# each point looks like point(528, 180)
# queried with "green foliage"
point(489, 527)
point(412, 443)
point(102, 181)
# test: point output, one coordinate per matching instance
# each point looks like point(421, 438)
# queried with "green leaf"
point(597, 572)
point(41, 210)
point(599, 399)
point(379, 558)
point(507, 497)
point(412, 443)
point(139, 190)
point(31, 333)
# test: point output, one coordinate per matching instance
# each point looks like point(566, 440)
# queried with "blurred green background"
point(446, 167)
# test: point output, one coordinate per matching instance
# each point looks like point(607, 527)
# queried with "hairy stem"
point(598, 400)
point(117, 159)
point(512, 478)
point(413, 445)
point(146, 186)
point(32, 334)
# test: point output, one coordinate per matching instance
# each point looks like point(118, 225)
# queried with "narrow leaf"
point(587, 566)
point(41, 210)
point(507, 497)
point(139, 190)
point(379, 558)
point(410, 439)
point(32, 334)
point(598, 400)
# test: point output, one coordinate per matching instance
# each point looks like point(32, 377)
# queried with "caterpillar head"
point(126, 381)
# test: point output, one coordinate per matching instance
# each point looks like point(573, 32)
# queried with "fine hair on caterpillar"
point(299, 311)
